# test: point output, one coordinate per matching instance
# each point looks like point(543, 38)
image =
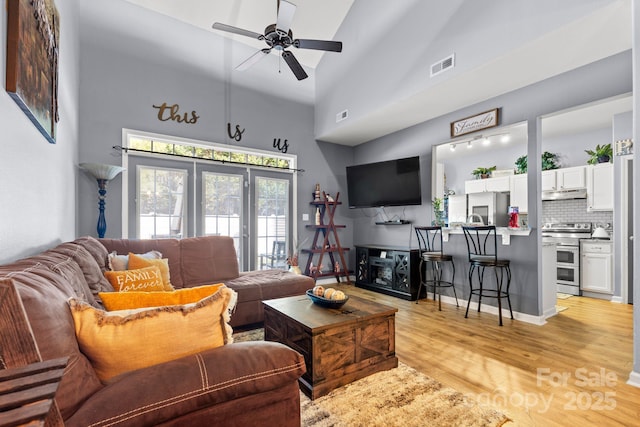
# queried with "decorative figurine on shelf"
point(337, 268)
point(316, 194)
point(329, 198)
point(317, 216)
point(513, 217)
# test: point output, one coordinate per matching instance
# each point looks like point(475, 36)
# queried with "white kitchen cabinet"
point(600, 187)
point(596, 271)
point(518, 192)
point(549, 180)
point(564, 179)
point(570, 178)
point(499, 184)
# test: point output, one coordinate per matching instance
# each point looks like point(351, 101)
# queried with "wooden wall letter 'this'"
point(172, 112)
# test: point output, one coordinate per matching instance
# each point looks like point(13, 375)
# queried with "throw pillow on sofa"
point(121, 262)
point(137, 261)
point(130, 300)
point(120, 341)
point(147, 279)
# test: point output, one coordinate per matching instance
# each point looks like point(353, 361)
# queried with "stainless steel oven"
point(567, 238)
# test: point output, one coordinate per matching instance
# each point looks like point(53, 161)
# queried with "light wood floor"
point(570, 372)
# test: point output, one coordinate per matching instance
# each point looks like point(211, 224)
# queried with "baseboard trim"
point(486, 308)
point(634, 379)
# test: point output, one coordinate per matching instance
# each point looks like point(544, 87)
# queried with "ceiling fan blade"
point(250, 61)
point(236, 30)
point(327, 45)
point(295, 66)
point(285, 16)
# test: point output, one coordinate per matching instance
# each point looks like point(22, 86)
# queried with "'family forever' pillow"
point(137, 261)
point(119, 341)
point(146, 279)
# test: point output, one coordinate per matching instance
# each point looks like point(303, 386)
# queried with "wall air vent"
point(342, 116)
point(443, 65)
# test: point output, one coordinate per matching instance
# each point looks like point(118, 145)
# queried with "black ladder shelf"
point(329, 245)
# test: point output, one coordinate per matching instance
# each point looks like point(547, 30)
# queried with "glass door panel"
point(161, 199)
point(271, 230)
point(224, 204)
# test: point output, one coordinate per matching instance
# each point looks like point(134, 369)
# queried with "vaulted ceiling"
point(603, 34)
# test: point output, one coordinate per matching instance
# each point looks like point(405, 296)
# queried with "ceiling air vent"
point(342, 116)
point(443, 65)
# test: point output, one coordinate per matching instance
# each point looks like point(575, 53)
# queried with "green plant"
point(482, 172)
point(438, 211)
point(601, 154)
point(549, 161)
point(521, 164)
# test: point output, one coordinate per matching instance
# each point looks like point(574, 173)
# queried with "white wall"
point(38, 179)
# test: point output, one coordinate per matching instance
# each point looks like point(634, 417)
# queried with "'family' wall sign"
point(485, 120)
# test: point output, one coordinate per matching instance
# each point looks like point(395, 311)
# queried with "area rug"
point(560, 295)
point(397, 397)
point(560, 308)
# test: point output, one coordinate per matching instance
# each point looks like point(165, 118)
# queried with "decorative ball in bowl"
point(329, 298)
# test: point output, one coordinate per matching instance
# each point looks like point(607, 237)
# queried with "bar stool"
point(431, 252)
point(482, 245)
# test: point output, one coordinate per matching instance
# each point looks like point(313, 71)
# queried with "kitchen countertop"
point(505, 232)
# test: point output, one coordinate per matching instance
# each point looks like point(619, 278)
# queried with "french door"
point(181, 198)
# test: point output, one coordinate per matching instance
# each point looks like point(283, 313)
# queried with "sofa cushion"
point(164, 392)
point(44, 295)
point(93, 275)
point(208, 260)
point(96, 249)
point(130, 300)
point(137, 261)
point(269, 284)
point(146, 279)
point(125, 340)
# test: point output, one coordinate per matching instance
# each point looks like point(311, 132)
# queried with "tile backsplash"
point(573, 210)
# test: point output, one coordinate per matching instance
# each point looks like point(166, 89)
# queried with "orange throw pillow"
point(130, 300)
point(136, 261)
point(146, 279)
point(124, 340)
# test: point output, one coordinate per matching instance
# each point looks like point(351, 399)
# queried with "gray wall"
point(604, 79)
point(415, 34)
point(119, 87)
point(38, 190)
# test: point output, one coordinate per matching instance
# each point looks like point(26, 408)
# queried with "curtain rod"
point(232, 162)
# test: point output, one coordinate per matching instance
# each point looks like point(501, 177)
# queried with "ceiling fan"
point(279, 36)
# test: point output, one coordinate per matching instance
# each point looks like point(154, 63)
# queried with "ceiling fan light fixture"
point(279, 36)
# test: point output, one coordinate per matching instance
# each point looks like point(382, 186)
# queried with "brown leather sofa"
point(207, 260)
point(241, 384)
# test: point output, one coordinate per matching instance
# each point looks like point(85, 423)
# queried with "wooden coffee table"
point(339, 345)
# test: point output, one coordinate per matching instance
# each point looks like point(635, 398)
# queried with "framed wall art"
point(485, 120)
point(32, 61)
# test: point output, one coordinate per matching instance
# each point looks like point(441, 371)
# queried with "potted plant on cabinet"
point(549, 161)
point(601, 154)
point(482, 173)
point(521, 165)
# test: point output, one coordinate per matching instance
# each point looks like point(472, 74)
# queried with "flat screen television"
point(389, 183)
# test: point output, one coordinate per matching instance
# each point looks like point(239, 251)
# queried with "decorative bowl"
point(326, 302)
